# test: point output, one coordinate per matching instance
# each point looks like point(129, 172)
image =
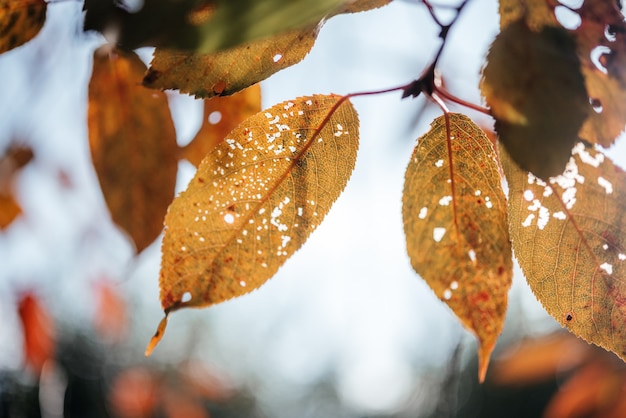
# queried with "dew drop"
point(277, 57)
point(242, 283)
point(447, 294)
point(229, 218)
point(186, 297)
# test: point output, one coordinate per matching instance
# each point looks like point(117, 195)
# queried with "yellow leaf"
point(133, 145)
point(221, 115)
point(20, 21)
point(255, 199)
point(569, 238)
point(455, 222)
point(227, 72)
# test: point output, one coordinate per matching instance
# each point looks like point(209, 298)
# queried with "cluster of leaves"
point(266, 179)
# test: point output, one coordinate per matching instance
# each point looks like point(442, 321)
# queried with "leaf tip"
point(157, 336)
point(484, 355)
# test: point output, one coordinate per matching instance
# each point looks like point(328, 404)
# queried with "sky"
point(346, 305)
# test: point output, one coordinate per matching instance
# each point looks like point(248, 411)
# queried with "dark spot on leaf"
point(500, 270)
point(200, 180)
point(569, 317)
point(151, 76)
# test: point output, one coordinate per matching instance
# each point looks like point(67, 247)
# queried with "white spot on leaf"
point(438, 233)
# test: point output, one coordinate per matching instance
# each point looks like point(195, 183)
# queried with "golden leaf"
point(254, 201)
point(229, 71)
point(221, 115)
point(20, 21)
point(226, 72)
point(569, 237)
point(133, 145)
point(455, 222)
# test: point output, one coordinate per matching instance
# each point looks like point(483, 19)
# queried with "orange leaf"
point(255, 199)
point(15, 158)
point(531, 362)
point(111, 320)
point(455, 223)
point(569, 236)
point(39, 332)
point(134, 393)
point(133, 145)
point(20, 21)
point(221, 115)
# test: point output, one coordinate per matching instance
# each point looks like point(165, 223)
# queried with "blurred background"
point(345, 329)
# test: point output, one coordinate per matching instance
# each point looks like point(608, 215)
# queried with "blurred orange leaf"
point(20, 21)
point(255, 199)
point(111, 317)
point(534, 361)
point(455, 223)
point(222, 115)
point(38, 330)
point(134, 393)
point(15, 158)
point(133, 145)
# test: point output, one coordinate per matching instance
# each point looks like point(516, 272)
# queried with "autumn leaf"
point(221, 115)
point(455, 222)
point(568, 235)
point(133, 145)
point(14, 159)
point(202, 26)
point(229, 71)
point(601, 40)
point(536, 92)
point(38, 330)
point(20, 21)
point(254, 201)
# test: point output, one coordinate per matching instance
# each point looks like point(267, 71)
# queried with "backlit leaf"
point(601, 48)
point(229, 71)
point(536, 92)
point(14, 159)
point(254, 201)
point(601, 40)
point(222, 115)
point(226, 72)
point(202, 26)
point(20, 21)
point(455, 222)
point(133, 145)
point(38, 331)
point(569, 236)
